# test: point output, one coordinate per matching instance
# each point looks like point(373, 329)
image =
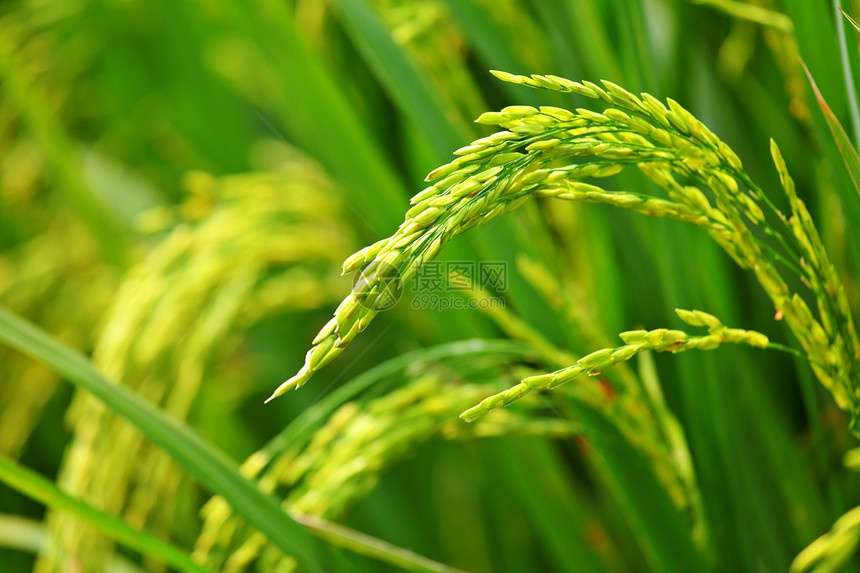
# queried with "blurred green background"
point(180, 182)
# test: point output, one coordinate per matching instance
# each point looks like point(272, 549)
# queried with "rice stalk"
point(636, 341)
point(51, 268)
point(58, 279)
point(546, 152)
point(832, 550)
point(514, 326)
point(345, 458)
point(636, 408)
point(426, 31)
point(566, 297)
point(244, 247)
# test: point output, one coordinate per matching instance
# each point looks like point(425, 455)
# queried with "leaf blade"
point(44, 491)
point(843, 143)
point(209, 465)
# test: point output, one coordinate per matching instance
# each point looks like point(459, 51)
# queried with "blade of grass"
point(635, 46)
point(28, 535)
point(850, 89)
point(592, 37)
point(849, 155)
point(43, 490)
point(555, 21)
point(668, 547)
point(751, 13)
point(207, 464)
point(819, 48)
point(850, 19)
point(486, 35)
point(405, 85)
point(494, 46)
point(402, 80)
point(329, 127)
point(548, 500)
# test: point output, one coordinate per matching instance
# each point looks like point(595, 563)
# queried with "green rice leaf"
point(846, 150)
point(207, 464)
point(403, 81)
point(44, 491)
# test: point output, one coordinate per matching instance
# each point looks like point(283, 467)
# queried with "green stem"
point(371, 546)
point(783, 348)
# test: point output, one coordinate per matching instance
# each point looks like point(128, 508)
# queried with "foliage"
point(180, 183)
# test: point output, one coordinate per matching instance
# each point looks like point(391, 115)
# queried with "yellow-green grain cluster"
point(240, 248)
point(58, 279)
point(634, 404)
point(345, 458)
point(831, 341)
point(547, 151)
point(834, 549)
point(496, 174)
point(52, 267)
point(426, 31)
point(636, 341)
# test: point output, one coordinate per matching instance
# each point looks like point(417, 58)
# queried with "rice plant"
point(510, 380)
